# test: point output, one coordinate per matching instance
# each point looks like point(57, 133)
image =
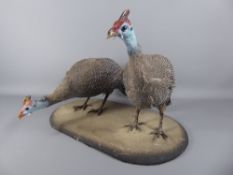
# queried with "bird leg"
point(101, 108)
point(83, 106)
point(135, 125)
point(158, 131)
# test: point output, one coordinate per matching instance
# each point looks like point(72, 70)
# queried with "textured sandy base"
point(108, 134)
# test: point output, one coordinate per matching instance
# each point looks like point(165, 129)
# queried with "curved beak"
point(111, 33)
point(20, 115)
point(27, 102)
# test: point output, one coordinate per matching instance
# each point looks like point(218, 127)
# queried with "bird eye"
point(27, 108)
point(123, 28)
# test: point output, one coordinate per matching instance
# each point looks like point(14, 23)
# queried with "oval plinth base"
point(108, 134)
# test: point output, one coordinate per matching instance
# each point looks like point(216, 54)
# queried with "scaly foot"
point(135, 126)
point(157, 132)
point(84, 106)
point(99, 111)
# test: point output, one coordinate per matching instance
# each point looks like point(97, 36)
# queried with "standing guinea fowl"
point(86, 78)
point(148, 79)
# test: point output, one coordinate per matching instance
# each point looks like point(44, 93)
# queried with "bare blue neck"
point(131, 43)
point(39, 104)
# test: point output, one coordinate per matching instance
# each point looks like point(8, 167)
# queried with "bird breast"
point(148, 79)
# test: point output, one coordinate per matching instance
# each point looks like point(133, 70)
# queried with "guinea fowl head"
point(30, 106)
point(123, 29)
point(25, 110)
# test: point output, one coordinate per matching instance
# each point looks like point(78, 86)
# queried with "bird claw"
point(77, 107)
point(134, 126)
point(157, 132)
point(98, 111)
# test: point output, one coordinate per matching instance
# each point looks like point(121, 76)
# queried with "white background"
point(41, 39)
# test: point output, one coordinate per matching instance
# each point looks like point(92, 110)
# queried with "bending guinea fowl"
point(148, 79)
point(86, 78)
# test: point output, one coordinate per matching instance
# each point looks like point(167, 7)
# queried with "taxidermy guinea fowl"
point(148, 79)
point(86, 78)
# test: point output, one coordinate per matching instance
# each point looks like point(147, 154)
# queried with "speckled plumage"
point(148, 79)
point(87, 78)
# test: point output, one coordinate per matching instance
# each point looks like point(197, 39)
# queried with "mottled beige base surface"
point(108, 134)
